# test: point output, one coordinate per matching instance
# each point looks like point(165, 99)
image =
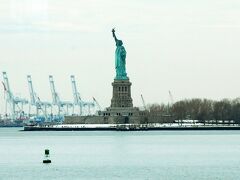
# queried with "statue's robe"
point(120, 62)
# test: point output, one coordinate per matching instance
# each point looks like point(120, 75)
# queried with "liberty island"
point(121, 114)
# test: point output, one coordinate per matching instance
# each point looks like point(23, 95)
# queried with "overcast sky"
point(190, 47)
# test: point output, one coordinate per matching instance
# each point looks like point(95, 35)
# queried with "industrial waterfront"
point(120, 155)
point(40, 111)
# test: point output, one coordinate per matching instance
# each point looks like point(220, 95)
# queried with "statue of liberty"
point(120, 59)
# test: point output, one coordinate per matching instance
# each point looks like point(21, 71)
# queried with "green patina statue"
point(120, 59)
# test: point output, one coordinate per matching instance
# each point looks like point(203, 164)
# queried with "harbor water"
point(120, 155)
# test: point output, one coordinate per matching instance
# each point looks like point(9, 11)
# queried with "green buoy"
point(47, 156)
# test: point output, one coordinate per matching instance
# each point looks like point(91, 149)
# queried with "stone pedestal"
point(121, 94)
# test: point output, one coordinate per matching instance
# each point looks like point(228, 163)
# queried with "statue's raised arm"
point(113, 32)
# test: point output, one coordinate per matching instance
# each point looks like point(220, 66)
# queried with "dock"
point(128, 127)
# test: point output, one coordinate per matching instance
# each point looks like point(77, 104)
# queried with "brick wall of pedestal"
point(121, 96)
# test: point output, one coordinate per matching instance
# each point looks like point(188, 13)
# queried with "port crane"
point(13, 101)
point(56, 99)
point(171, 97)
point(144, 104)
point(77, 101)
point(35, 100)
point(97, 104)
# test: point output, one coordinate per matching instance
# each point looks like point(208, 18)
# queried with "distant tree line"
point(204, 110)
